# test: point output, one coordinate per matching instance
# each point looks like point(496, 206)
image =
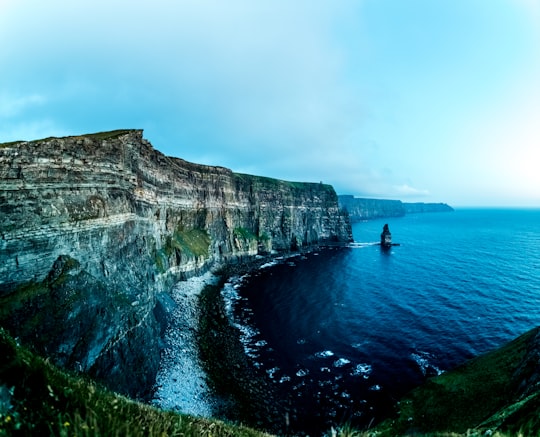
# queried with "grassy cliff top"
point(95, 136)
point(280, 183)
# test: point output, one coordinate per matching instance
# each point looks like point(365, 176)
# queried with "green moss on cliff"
point(245, 234)
point(15, 300)
point(29, 291)
point(100, 136)
point(183, 244)
point(193, 242)
point(161, 260)
point(10, 144)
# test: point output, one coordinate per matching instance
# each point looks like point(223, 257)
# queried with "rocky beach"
point(181, 383)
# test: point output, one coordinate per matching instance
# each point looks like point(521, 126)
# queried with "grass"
point(473, 396)
point(190, 242)
point(10, 144)
point(107, 135)
point(37, 398)
point(245, 234)
point(193, 242)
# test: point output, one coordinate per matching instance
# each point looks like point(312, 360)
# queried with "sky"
point(417, 100)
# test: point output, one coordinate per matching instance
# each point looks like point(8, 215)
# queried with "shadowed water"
point(348, 331)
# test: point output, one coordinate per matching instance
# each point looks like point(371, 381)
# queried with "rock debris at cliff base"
point(181, 381)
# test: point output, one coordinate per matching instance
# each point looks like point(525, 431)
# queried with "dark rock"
point(386, 237)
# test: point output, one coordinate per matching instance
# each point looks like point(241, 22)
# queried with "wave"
point(363, 370)
point(302, 372)
point(424, 363)
point(341, 362)
point(324, 354)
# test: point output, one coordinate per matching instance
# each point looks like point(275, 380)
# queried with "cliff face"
point(95, 229)
point(367, 209)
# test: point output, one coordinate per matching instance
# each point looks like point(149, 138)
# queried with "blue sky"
point(418, 100)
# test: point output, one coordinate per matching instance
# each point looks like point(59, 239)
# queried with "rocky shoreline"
point(244, 394)
point(181, 382)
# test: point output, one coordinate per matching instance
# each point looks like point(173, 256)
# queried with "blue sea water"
point(348, 331)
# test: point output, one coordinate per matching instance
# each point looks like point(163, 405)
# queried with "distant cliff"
point(95, 229)
point(360, 208)
point(366, 209)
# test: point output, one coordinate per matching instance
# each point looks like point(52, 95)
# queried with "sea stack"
point(386, 237)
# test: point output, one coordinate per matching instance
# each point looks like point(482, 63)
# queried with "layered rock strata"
point(95, 229)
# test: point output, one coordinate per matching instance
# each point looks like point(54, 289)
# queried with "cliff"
point(95, 229)
point(360, 208)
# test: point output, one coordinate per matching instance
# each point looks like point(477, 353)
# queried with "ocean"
point(346, 332)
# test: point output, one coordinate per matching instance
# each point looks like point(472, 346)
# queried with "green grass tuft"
point(277, 184)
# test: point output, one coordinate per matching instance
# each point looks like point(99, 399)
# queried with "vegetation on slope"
point(495, 394)
point(498, 391)
point(38, 399)
point(182, 244)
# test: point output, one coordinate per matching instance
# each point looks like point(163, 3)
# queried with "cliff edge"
point(95, 229)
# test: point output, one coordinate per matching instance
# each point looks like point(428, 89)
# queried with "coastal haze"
point(413, 100)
